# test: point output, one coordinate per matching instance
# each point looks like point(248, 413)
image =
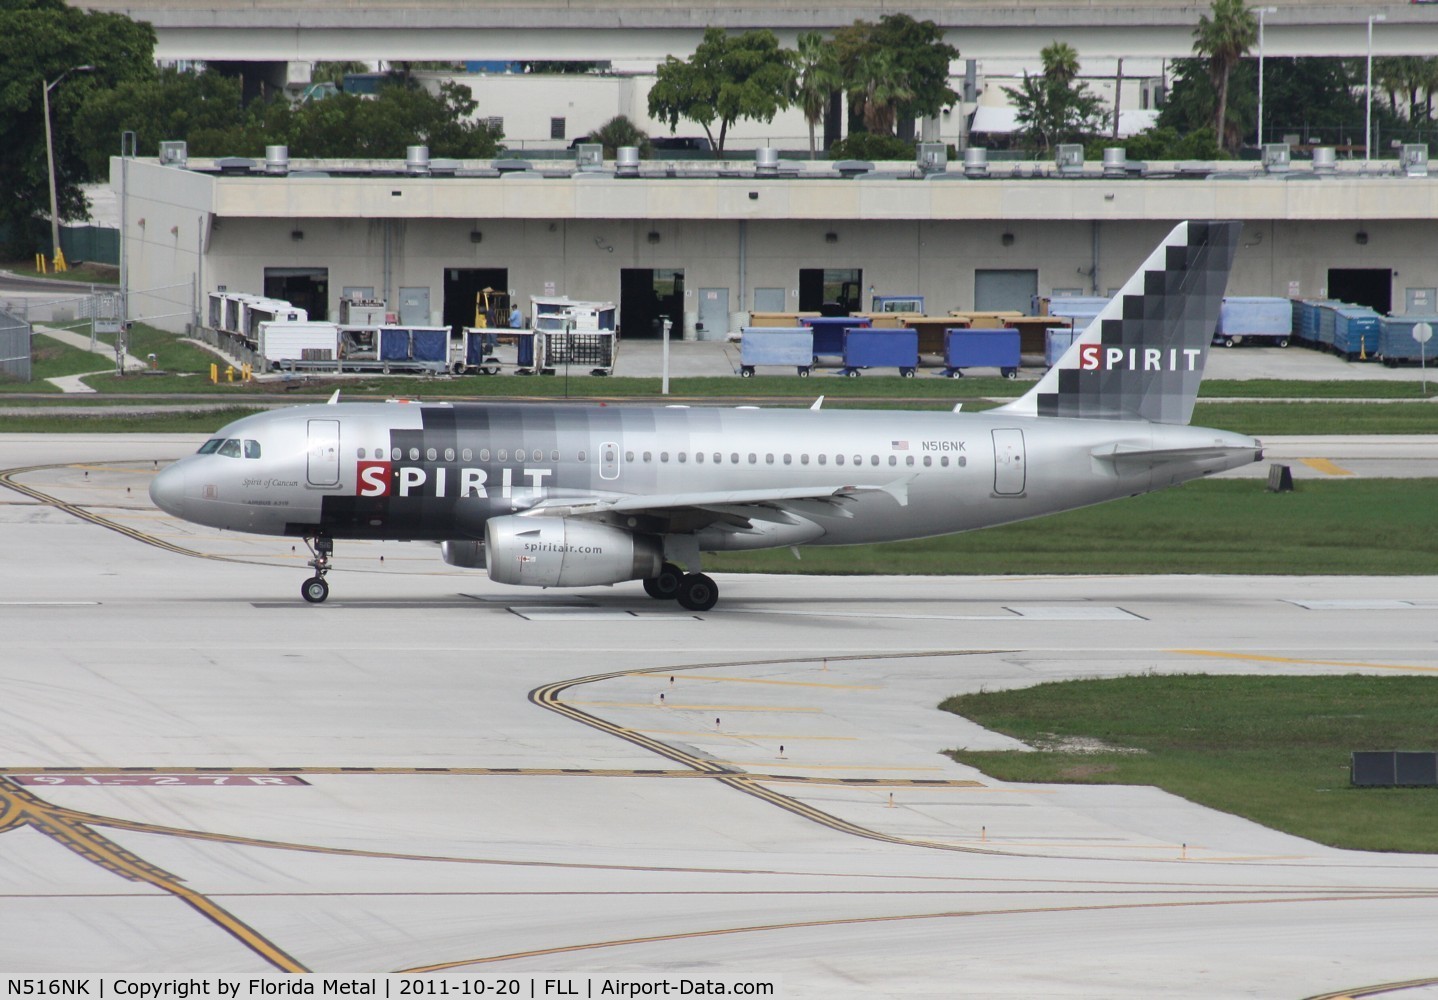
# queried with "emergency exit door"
point(323, 468)
point(1009, 473)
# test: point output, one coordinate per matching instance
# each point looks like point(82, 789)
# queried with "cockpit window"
point(252, 449)
point(210, 446)
point(230, 448)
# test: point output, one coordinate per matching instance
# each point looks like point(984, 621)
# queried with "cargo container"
point(284, 344)
point(1245, 319)
point(1057, 340)
point(829, 333)
point(866, 348)
point(1355, 332)
point(966, 348)
point(776, 345)
point(1396, 345)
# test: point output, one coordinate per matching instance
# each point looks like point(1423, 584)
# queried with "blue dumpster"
point(1355, 332)
point(981, 349)
point(867, 348)
point(829, 333)
point(1396, 345)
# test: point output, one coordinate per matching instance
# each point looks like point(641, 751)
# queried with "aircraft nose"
point(167, 490)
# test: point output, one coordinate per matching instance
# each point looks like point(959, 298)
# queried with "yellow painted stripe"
point(825, 767)
point(1296, 661)
point(691, 708)
point(788, 737)
point(1326, 466)
point(761, 680)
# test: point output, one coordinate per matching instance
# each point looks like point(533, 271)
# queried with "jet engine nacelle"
point(567, 552)
point(463, 553)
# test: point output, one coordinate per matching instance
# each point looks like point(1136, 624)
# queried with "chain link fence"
point(14, 346)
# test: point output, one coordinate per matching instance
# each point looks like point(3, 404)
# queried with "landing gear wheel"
point(315, 590)
point(665, 586)
point(698, 593)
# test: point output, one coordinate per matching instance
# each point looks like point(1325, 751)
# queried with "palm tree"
point(620, 131)
point(1061, 63)
point(878, 87)
point(819, 77)
point(1223, 40)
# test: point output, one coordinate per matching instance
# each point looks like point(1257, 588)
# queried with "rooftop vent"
point(506, 167)
point(626, 161)
point(976, 163)
point(233, 166)
point(766, 161)
point(1325, 159)
point(852, 168)
point(1115, 162)
point(277, 160)
point(416, 160)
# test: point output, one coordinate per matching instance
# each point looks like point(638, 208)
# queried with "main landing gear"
point(315, 590)
point(693, 591)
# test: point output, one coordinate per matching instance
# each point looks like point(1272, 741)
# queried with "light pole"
point(1260, 12)
point(50, 162)
point(1368, 92)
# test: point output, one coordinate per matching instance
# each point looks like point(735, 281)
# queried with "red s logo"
point(1089, 357)
point(374, 479)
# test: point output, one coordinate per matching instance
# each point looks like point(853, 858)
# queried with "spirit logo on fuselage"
point(385, 479)
point(1097, 357)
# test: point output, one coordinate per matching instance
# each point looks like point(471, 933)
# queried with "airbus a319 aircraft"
point(564, 496)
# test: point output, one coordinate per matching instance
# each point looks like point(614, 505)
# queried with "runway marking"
point(1373, 991)
point(1365, 604)
point(1296, 661)
point(1326, 466)
point(888, 918)
point(675, 706)
point(837, 767)
point(748, 736)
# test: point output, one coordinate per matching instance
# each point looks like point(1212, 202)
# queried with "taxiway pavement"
point(204, 774)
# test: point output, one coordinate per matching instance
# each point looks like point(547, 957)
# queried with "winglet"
point(899, 489)
point(818, 403)
point(334, 399)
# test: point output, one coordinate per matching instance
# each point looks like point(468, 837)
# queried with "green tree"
point(380, 128)
point(1222, 40)
point(45, 39)
point(727, 78)
point(897, 70)
point(168, 105)
point(877, 89)
point(818, 77)
point(1050, 108)
point(620, 131)
point(335, 72)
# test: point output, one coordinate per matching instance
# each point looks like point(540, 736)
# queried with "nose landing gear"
point(315, 589)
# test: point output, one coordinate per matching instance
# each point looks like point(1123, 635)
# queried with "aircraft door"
point(609, 460)
point(1009, 473)
point(323, 468)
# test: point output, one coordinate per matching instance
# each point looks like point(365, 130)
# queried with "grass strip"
point(1271, 749)
point(1359, 526)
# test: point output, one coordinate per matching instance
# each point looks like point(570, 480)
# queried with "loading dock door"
point(1003, 290)
point(1009, 472)
point(324, 457)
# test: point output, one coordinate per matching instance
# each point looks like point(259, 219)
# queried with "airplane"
point(568, 496)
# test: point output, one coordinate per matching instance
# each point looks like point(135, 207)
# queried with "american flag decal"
point(899, 445)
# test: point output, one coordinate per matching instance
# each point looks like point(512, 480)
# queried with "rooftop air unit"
point(933, 158)
point(1068, 156)
point(1414, 159)
point(174, 153)
point(976, 162)
point(589, 156)
point(416, 161)
point(1276, 157)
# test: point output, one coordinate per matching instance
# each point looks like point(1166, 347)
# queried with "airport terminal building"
point(705, 243)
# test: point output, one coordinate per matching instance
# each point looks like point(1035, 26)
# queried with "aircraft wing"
point(725, 507)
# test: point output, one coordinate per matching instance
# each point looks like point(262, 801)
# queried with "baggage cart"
point(866, 348)
point(414, 348)
point(829, 333)
point(477, 347)
point(592, 349)
point(981, 349)
point(1246, 318)
point(290, 345)
point(776, 345)
point(1057, 340)
point(1355, 332)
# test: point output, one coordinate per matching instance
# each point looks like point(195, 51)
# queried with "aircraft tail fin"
point(1142, 357)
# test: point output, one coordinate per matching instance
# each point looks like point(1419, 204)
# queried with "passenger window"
point(628, 456)
point(230, 448)
point(718, 458)
point(449, 454)
point(928, 459)
point(963, 461)
point(467, 455)
point(484, 454)
point(944, 461)
point(554, 456)
point(823, 459)
point(395, 454)
point(430, 454)
point(664, 456)
point(582, 456)
point(858, 459)
point(873, 459)
point(699, 457)
point(838, 459)
point(502, 455)
point(803, 459)
point(649, 456)
point(893, 460)
point(252, 449)
point(788, 459)
point(519, 454)
point(768, 459)
point(908, 459)
point(683, 456)
point(753, 458)
point(734, 458)
point(414, 454)
point(210, 446)
point(360, 454)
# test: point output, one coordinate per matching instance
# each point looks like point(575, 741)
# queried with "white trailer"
point(299, 345)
